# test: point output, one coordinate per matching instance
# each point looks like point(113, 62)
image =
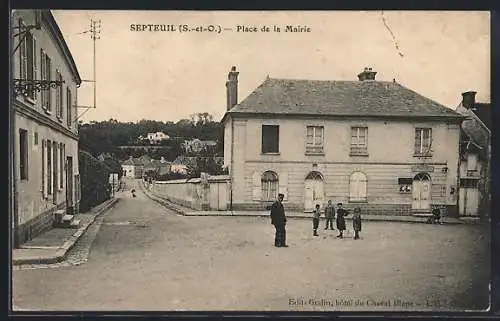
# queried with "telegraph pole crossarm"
point(95, 31)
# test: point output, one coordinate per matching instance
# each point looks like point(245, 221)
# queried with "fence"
point(210, 193)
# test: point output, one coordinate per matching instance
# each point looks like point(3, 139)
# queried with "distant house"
point(159, 167)
point(196, 145)
point(155, 138)
point(475, 157)
point(132, 168)
point(366, 143)
point(145, 159)
point(181, 163)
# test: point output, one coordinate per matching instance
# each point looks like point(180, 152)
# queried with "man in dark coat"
point(329, 214)
point(341, 213)
point(278, 219)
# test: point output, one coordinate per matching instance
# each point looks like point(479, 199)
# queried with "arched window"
point(357, 187)
point(269, 185)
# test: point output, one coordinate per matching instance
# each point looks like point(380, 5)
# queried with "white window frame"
point(356, 134)
point(420, 142)
point(315, 139)
point(267, 187)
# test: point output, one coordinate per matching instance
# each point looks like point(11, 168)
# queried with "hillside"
point(120, 139)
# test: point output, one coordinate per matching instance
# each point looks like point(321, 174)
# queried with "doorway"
point(69, 185)
point(421, 192)
point(314, 191)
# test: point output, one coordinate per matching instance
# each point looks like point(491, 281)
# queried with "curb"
point(172, 206)
point(62, 252)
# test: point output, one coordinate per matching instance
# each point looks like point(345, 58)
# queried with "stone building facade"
point(373, 144)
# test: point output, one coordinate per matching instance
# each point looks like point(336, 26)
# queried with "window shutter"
point(42, 77)
point(283, 185)
point(256, 188)
point(44, 168)
point(35, 65)
point(417, 141)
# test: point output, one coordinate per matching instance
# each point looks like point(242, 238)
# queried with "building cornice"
point(42, 119)
point(239, 115)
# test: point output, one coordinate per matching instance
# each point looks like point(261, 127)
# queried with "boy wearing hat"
point(356, 222)
point(341, 213)
point(316, 215)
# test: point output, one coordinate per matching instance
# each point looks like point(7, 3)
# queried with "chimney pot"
point(469, 99)
point(232, 88)
point(367, 74)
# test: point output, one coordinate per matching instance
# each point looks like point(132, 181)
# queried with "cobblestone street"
point(141, 256)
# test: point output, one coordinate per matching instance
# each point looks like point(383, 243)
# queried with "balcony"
point(358, 151)
point(315, 150)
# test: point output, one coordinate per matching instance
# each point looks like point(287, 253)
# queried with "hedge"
point(94, 181)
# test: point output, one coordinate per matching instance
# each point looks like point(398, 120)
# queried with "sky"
point(169, 75)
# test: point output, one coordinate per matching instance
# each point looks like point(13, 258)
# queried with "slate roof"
point(339, 98)
point(156, 163)
point(183, 160)
point(132, 161)
point(473, 127)
point(483, 111)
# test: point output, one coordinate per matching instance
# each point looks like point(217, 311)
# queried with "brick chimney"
point(232, 88)
point(469, 99)
point(367, 74)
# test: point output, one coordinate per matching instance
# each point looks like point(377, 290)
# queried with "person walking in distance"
point(341, 213)
point(329, 215)
point(278, 219)
point(356, 222)
point(316, 215)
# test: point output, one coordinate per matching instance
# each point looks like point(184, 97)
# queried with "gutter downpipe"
point(231, 167)
point(14, 240)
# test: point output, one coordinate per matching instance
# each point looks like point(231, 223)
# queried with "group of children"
point(341, 213)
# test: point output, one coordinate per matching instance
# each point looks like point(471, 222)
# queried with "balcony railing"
point(359, 151)
point(314, 150)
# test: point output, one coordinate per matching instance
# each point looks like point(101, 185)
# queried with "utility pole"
point(95, 32)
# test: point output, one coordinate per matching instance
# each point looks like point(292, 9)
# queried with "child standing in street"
point(356, 222)
point(316, 215)
point(341, 213)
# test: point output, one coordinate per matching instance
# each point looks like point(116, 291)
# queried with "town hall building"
point(373, 144)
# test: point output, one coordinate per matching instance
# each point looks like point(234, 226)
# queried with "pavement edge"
point(62, 252)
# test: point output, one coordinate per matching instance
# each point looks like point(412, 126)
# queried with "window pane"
point(270, 139)
point(319, 132)
point(354, 140)
point(418, 140)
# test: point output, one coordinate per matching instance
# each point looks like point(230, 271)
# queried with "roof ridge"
point(332, 80)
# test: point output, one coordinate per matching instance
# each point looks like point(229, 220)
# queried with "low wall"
point(199, 194)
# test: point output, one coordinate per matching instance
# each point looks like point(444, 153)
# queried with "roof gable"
point(339, 98)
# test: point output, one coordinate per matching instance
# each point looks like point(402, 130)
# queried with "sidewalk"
point(185, 211)
point(52, 246)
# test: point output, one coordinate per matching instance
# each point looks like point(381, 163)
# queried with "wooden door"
point(69, 185)
point(421, 192)
point(308, 195)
